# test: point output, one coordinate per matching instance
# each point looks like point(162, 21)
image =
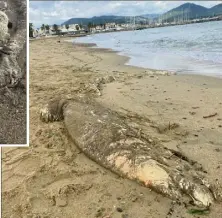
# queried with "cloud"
point(51, 12)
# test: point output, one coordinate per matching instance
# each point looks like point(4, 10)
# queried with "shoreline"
point(53, 178)
point(127, 58)
point(176, 63)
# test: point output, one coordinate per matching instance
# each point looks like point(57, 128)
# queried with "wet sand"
point(52, 178)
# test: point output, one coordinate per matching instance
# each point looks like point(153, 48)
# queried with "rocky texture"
point(4, 35)
point(13, 72)
point(107, 139)
point(13, 43)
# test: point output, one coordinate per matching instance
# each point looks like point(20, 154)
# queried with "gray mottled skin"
point(105, 138)
point(13, 64)
point(4, 35)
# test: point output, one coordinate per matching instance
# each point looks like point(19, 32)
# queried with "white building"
point(72, 28)
point(110, 26)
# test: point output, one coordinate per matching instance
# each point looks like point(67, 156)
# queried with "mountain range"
point(191, 11)
point(185, 11)
point(105, 19)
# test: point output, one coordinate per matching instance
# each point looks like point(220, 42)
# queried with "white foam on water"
point(191, 49)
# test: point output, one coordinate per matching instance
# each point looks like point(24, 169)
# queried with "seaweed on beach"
point(204, 211)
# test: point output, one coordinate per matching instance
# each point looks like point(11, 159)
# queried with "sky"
point(57, 12)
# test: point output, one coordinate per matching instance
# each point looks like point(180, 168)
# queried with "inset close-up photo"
point(13, 98)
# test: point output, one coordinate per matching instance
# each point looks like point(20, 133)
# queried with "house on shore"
point(71, 29)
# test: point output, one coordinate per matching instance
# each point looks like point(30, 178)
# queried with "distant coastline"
point(187, 13)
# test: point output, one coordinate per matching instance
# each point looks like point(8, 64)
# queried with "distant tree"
point(89, 26)
point(77, 27)
point(80, 26)
point(31, 30)
point(47, 27)
point(67, 26)
point(43, 27)
point(56, 28)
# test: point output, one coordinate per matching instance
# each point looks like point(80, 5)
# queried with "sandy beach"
point(52, 178)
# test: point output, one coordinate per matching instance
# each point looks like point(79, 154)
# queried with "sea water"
point(192, 48)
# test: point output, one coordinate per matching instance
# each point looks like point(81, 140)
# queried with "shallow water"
point(194, 48)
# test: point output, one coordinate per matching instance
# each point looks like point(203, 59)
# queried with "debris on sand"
point(211, 115)
point(199, 211)
point(163, 128)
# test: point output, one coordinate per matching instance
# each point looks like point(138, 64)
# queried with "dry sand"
point(52, 178)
